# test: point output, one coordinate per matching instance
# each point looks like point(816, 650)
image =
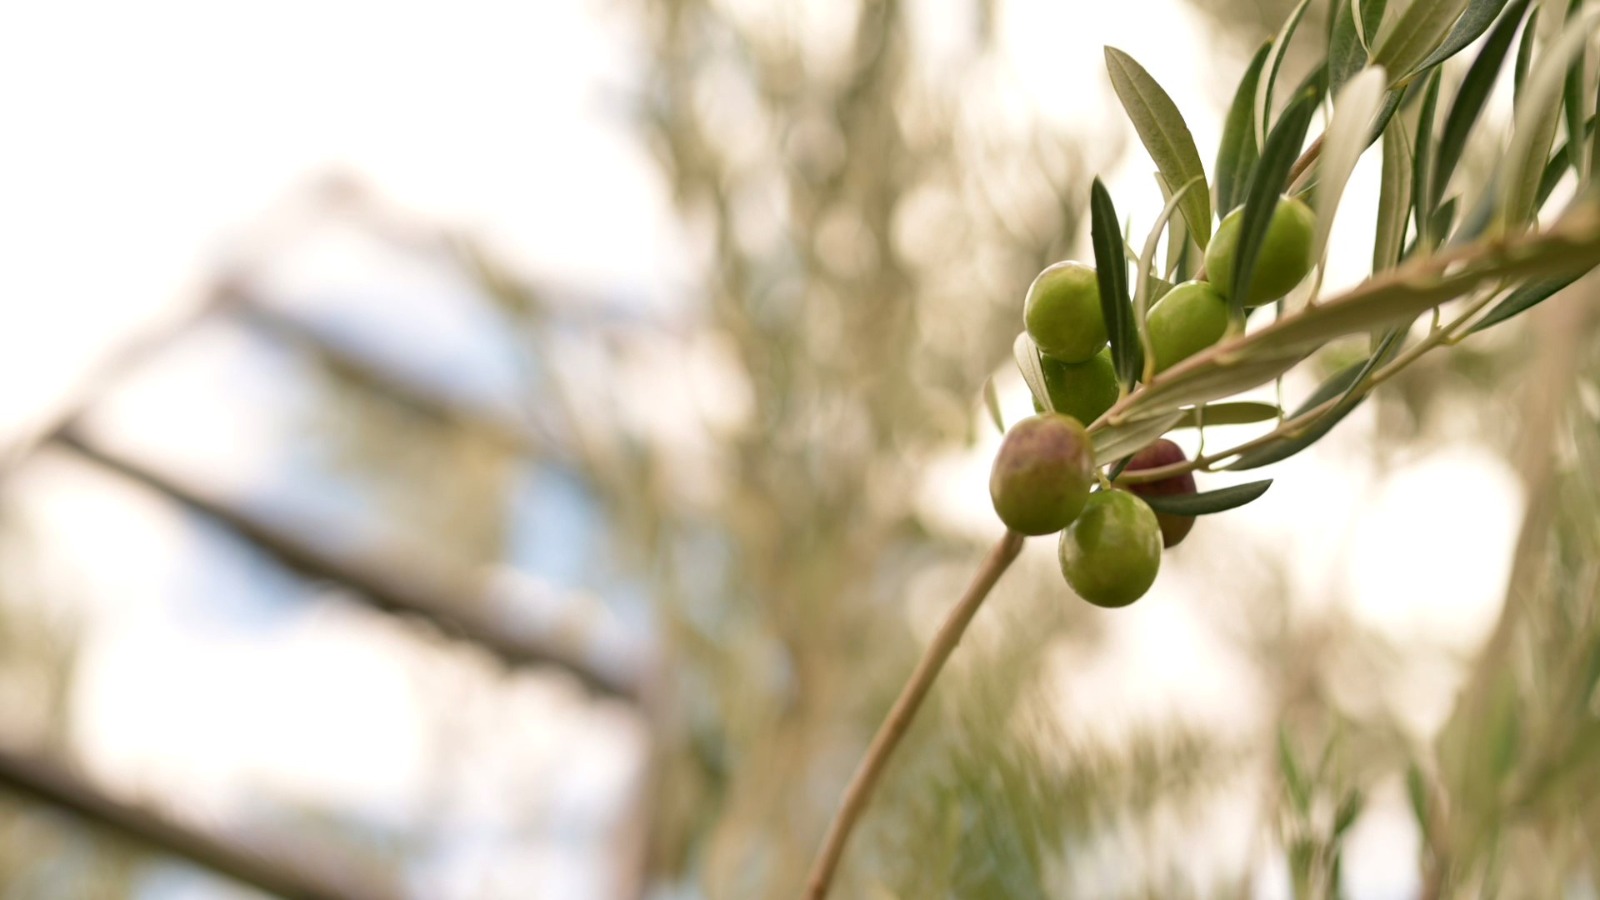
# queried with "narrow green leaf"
point(1177, 236)
point(1475, 21)
point(1112, 442)
point(1344, 387)
point(1594, 146)
point(1444, 216)
point(1519, 74)
point(991, 402)
point(1422, 163)
point(1111, 269)
point(1557, 167)
point(1347, 44)
point(1370, 23)
point(1236, 155)
point(1473, 94)
point(1280, 45)
point(1538, 114)
point(1417, 793)
point(1207, 502)
point(1394, 200)
point(1299, 791)
point(1342, 143)
point(1239, 412)
point(1523, 299)
point(1418, 32)
point(1165, 135)
point(1026, 353)
point(1349, 808)
point(1573, 102)
point(1214, 381)
point(1266, 185)
point(1142, 292)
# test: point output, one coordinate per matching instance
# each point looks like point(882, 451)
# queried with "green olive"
point(1062, 312)
point(1190, 318)
point(1111, 553)
point(1083, 390)
point(1285, 256)
point(1163, 453)
point(1042, 474)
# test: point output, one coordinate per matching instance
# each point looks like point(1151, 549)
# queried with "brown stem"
point(905, 709)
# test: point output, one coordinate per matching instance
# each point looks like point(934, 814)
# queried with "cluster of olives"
point(1044, 475)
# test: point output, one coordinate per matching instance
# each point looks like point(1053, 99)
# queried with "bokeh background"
point(491, 450)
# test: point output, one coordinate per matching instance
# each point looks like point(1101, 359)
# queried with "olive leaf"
point(1473, 94)
point(991, 401)
point(1594, 137)
point(1177, 244)
point(1112, 442)
point(1348, 47)
point(1519, 70)
point(1239, 412)
point(1219, 378)
point(1280, 45)
point(1111, 270)
point(1207, 502)
point(1415, 36)
point(1538, 113)
point(1261, 199)
point(1299, 789)
point(1572, 105)
point(1521, 300)
point(1394, 200)
point(1473, 22)
point(1236, 154)
point(1164, 134)
point(1342, 388)
point(1422, 197)
point(1342, 145)
point(1026, 353)
point(1141, 295)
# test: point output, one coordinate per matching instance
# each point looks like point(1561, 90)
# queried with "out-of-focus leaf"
point(1165, 135)
point(1269, 75)
point(1523, 299)
point(1519, 73)
point(1347, 44)
point(1261, 199)
point(1473, 94)
point(1112, 442)
point(1343, 386)
point(1594, 138)
point(1417, 793)
point(1422, 164)
point(1444, 216)
point(1299, 791)
point(1349, 808)
point(1573, 102)
point(1236, 155)
point(1026, 353)
point(1111, 269)
point(991, 401)
point(1342, 143)
point(1207, 502)
point(1473, 22)
point(1394, 200)
point(1240, 412)
point(1538, 113)
point(1419, 31)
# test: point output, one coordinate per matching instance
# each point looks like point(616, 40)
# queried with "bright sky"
point(143, 138)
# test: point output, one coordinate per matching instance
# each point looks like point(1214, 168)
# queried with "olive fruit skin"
point(1164, 453)
point(1062, 312)
point(1042, 474)
point(1285, 256)
point(1083, 390)
point(1111, 554)
point(1190, 318)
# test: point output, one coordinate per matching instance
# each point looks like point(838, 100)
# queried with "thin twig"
point(905, 709)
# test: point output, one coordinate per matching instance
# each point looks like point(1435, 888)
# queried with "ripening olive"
point(1081, 390)
point(1190, 318)
point(1062, 312)
point(1163, 453)
point(1042, 474)
point(1285, 255)
point(1111, 554)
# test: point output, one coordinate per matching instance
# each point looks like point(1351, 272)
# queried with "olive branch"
point(1493, 262)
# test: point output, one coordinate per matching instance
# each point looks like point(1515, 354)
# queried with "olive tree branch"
point(905, 708)
point(1290, 427)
